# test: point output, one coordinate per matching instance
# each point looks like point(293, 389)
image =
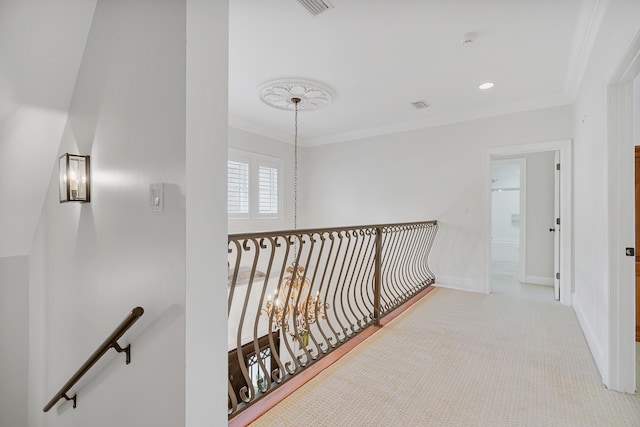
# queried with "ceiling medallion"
point(280, 94)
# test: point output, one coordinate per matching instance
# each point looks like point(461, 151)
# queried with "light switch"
point(156, 197)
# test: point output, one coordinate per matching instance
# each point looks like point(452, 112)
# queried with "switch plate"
point(156, 197)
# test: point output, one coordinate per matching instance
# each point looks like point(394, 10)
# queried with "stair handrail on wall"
point(110, 342)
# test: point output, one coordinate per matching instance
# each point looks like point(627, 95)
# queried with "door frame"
point(564, 146)
point(557, 180)
point(522, 227)
point(620, 369)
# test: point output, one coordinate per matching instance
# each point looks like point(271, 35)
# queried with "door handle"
point(552, 230)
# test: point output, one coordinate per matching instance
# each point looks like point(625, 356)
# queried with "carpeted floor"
point(464, 359)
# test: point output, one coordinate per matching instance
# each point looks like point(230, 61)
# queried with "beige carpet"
point(464, 359)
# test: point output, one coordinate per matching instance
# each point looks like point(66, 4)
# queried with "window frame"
point(255, 161)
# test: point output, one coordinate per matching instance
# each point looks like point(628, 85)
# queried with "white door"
point(556, 230)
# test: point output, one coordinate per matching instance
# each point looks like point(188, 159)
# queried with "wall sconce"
point(75, 178)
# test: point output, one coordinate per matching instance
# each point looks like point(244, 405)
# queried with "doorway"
point(508, 221)
point(523, 225)
point(539, 270)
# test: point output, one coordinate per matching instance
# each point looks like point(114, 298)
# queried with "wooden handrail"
point(260, 234)
point(110, 342)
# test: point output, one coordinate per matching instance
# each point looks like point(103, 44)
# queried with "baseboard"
point(587, 331)
point(460, 283)
point(637, 340)
point(539, 280)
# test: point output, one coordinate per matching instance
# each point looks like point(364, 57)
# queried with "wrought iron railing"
point(295, 296)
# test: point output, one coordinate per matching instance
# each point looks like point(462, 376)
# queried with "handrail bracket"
point(127, 350)
point(74, 398)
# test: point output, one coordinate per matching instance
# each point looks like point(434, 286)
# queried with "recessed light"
point(485, 86)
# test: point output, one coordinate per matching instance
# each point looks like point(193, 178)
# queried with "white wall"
point(41, 45)
point(205, 396)
point(436, 173)
point(636, 107)
point(254, 143)
point(619, 26)
point(92, 263)
point(14, 336)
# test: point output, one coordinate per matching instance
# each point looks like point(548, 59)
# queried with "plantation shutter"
point(237, 187)
point(268, 190)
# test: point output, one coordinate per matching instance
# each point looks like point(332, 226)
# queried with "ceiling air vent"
point(316, 7)
point(420, 104)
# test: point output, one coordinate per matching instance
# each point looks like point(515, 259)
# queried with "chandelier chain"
point(295, 171)
point(298, 304)
point(295, 179)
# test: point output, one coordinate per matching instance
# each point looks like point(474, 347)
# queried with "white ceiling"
point(377, 55)
point(381, 55)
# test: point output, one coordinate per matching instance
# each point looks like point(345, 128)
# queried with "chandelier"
point(295, 309)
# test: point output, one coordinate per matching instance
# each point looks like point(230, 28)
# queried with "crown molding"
point(445, 119)
point(537, 103)
point(587, 26)
point(251, 127)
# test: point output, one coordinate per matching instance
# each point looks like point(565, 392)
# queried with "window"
point(268, 185)
point(253, 186)
point(237, 187)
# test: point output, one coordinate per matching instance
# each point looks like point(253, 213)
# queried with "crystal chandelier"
point(294, 309)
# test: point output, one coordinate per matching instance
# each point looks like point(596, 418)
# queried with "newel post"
point(377, 279)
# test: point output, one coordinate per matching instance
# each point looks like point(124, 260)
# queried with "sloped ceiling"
point(41, 45)
point(380, 56)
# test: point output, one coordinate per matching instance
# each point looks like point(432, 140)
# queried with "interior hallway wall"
point(14, 336)
point(636, 107)
point(207, 65)
point(619, 27)
point(41, 44)
point(92, 263)
point(436, 173)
